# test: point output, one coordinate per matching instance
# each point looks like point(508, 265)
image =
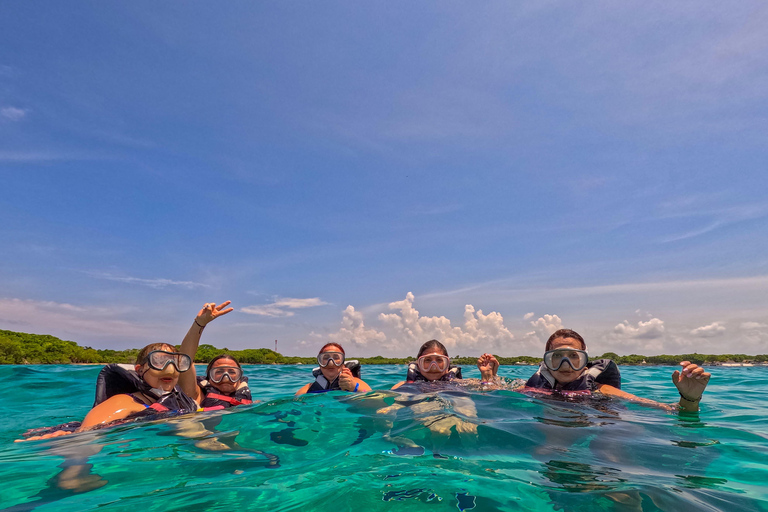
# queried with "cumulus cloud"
point(353, 330)
point(405, 329)
point(709, 331)
point(652, 329)
point(527, 316)
point(283, 307)
point(543, 327)
point(13, 113)
point(410, 329)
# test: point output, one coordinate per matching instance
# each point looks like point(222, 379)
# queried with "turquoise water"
point(335, 452)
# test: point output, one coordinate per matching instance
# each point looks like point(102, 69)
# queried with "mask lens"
point(436, 361)
point(555, 359)
point(232, 373)
point(325, 358)
point(160, 359)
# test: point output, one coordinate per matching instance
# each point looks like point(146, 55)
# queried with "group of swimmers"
point(164, 380)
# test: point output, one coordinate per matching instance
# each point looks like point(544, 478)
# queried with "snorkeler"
point(432, 364)
point(566, 368)
point(334, 373)
point(150, 388)
point(224, 384)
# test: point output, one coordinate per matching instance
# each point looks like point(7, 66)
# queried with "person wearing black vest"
point(335, 373)
point(432, 365)
point(566, 368)
point(224, 384)
point(150, 388)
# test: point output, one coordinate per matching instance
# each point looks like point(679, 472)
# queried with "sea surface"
point(436, 449)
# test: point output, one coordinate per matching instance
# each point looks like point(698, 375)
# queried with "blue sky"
point(383, 173)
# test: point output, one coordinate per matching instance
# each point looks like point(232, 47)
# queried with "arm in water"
point(690, 383)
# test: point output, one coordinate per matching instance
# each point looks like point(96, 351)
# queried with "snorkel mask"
point(554, 359)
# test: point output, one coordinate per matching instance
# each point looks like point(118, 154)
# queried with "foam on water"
point(335, 452)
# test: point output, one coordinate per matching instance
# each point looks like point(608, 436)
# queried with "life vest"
point(600, 371)
point(321, 384)
point(122, 379)
point(414, 375)
point(215, 399)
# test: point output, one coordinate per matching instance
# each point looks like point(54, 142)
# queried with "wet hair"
point(220, 356)
point(433, 344)
point(564, 333)
point(332, 345)
point(141, 357)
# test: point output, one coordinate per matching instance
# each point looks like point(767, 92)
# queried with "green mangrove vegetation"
point(23, 348)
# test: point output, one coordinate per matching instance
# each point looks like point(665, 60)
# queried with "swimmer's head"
point(432, 346)
point(563, 339)
point(433, 360)
point(224, 373)
point(566, 334)
point(165, 379)
point(331, 360)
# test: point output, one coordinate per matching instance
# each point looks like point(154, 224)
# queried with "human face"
point(433, 365)
point(565, 373)
point(331, 362)
point(165, 379)
point(228, 372)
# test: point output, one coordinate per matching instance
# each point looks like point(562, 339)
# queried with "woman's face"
point(229, 367)
point(565, 373)
point(433, 365)
point(165, 379)
point(334, 355)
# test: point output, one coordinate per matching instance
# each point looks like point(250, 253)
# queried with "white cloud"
point(13, 113)
point(652, 329)
point(353, 330)
point(709, 331)
point(527, 316)
point(282, 307)
point(750, 326)
point(406, 329)
point(152, 283)
point(544, 326)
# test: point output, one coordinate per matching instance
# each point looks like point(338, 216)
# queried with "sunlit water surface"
point(334, 451)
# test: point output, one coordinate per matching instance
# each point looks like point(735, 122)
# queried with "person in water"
point(433, 365)
point(224, 384)
point(566, 368)
point(334, 373)
point(150, 388)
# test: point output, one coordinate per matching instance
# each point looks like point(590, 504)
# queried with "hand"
point(488, 365)
point(58, 433)
point(346, 380)
point(692, 381)
point(211, 311)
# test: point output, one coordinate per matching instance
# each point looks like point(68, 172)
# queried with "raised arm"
point(690, 383)
point(209, 313)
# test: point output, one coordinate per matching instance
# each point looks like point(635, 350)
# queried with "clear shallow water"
point(334, 452)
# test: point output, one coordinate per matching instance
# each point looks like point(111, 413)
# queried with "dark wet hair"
point(432, 344)
point(564, 333)
point(141, 357)
point(220, 356)
point(332, 345)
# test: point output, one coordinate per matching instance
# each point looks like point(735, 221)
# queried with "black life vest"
point(599, 371)
point(414, 375)
point(321, 384)
point(122, 379)
point(215, 399)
